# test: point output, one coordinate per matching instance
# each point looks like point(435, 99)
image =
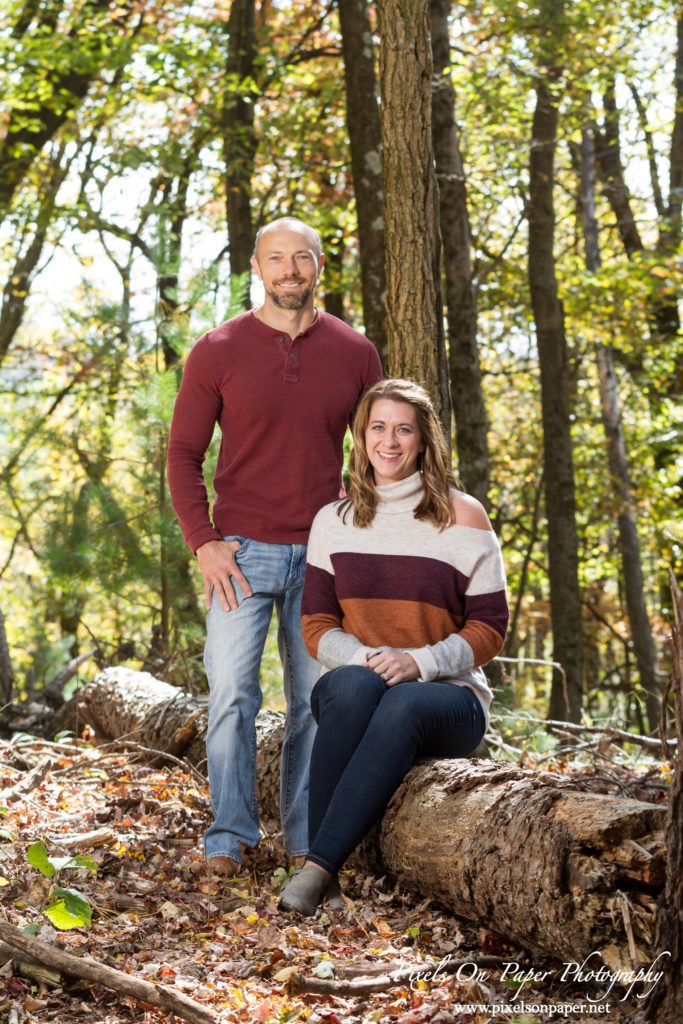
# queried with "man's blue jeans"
point(232, 658)
point(368, 737)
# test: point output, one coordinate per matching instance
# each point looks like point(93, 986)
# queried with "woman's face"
point(393, 440)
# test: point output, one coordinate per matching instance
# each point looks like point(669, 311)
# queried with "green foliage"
point(281, 876)
point(38, 858)
point(134, 267)
point(67, 907)
point(69, 910)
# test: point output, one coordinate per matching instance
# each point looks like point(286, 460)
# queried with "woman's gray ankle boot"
point(303, 891)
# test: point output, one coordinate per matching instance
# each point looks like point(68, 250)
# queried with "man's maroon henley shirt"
point(283, 407)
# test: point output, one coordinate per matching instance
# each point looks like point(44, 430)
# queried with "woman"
point(404, 585)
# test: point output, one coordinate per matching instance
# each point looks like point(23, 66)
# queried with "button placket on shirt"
point(292, 358)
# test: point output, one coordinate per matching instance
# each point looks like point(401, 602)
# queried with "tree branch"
point(81, 967)
point(366, 986)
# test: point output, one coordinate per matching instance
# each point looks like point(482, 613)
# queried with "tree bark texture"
point(239, 137)
point(666, 1006)
point(411, 204)
point(617, 456)
point(530, 856)
point(521, 851)
point(565, 597)
point(365, 138)
point(123, 704)
point(467, 396)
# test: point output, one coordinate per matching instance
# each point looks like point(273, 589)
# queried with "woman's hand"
point(393, 666)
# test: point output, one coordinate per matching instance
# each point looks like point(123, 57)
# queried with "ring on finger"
point(385, 676)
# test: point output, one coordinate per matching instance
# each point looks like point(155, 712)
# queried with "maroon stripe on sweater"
point(318, 596)
point(408, 577)
point(489, 608)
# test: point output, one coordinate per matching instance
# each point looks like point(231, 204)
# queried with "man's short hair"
point(291, 224)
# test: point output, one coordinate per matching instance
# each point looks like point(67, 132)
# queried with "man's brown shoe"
point(220, 868)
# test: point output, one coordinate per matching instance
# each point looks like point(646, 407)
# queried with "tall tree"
point(29, 251)
point(664, 318)
point(620, 477)
point(670, 234)
point(565, 595)
point(365, 139)
point(467, 396)
point(239, 136)
point(411, 216)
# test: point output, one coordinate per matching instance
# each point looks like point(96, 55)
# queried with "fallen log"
point(28, 967)
point(381, 980)
point(120, 704)
point(28, 783)
point(558, 870)
point(524, 852)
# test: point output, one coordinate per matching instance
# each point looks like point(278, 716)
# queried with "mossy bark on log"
point(524, 852)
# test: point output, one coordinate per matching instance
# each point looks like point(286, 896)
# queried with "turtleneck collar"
point(401, 496)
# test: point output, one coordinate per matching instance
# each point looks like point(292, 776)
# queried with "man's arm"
point(196, 411)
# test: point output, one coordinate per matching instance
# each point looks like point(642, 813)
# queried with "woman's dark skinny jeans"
point(368, 737)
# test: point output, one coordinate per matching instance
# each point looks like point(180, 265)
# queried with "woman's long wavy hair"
point(433, 463)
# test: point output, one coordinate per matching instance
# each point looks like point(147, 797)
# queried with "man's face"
point(289, 265)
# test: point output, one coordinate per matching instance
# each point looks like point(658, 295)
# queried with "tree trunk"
point(631, 565)
point(666, 311)
point(19, 279)
point(174, 213)
point(664, 320)
point(333, 247)
point(467, 396)
point(670, 234)
point(411, 225)
point(239, 137)
point(176, 587)
point(666, 1006)
point(565, 597)
point(532, 858)
point(362, 122)
point(613, 180)
point(522, 851)
point(6, 669)
point(143, 709)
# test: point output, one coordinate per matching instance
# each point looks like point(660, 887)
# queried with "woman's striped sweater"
point(402, 583)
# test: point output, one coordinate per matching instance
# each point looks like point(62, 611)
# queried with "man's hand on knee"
point(217, 565)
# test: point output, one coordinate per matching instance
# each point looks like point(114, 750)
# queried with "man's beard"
point(294, 301)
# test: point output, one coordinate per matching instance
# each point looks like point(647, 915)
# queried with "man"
point(282, 381)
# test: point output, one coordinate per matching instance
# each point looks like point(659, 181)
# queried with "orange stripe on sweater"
point(382, 623)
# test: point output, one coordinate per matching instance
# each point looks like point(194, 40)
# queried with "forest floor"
point(140, 828)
